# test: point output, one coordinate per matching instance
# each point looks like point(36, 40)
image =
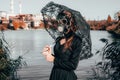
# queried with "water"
point(29, 43)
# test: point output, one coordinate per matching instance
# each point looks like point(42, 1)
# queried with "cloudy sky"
point(90, 9)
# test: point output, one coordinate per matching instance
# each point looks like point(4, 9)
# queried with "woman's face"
point(64, 22)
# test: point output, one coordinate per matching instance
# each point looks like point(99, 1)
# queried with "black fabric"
point(66, 61)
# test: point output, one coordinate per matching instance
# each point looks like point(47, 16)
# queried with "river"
point(29, 43)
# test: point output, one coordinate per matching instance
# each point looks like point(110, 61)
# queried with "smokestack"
point(20, 7)
point(12, 6)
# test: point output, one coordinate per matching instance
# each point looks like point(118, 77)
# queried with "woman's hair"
point(72, 28)
point(68, 43)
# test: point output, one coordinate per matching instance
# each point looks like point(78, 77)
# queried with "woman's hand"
point(46, 50)
point(48, 53)
point(50, 58)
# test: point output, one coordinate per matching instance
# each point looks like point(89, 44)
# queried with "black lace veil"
point(50, 13)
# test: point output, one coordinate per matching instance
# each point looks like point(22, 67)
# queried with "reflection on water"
point(31, 42)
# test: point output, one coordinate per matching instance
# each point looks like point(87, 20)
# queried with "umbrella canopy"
point(50, 17)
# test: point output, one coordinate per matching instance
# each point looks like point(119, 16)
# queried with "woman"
point(66, 50)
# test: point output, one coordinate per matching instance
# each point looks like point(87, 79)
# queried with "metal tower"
point(12, 6)
point(20, 7)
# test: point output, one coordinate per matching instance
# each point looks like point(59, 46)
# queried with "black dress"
point(66, 61)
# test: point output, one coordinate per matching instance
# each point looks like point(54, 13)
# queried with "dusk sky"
point(90, 9)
